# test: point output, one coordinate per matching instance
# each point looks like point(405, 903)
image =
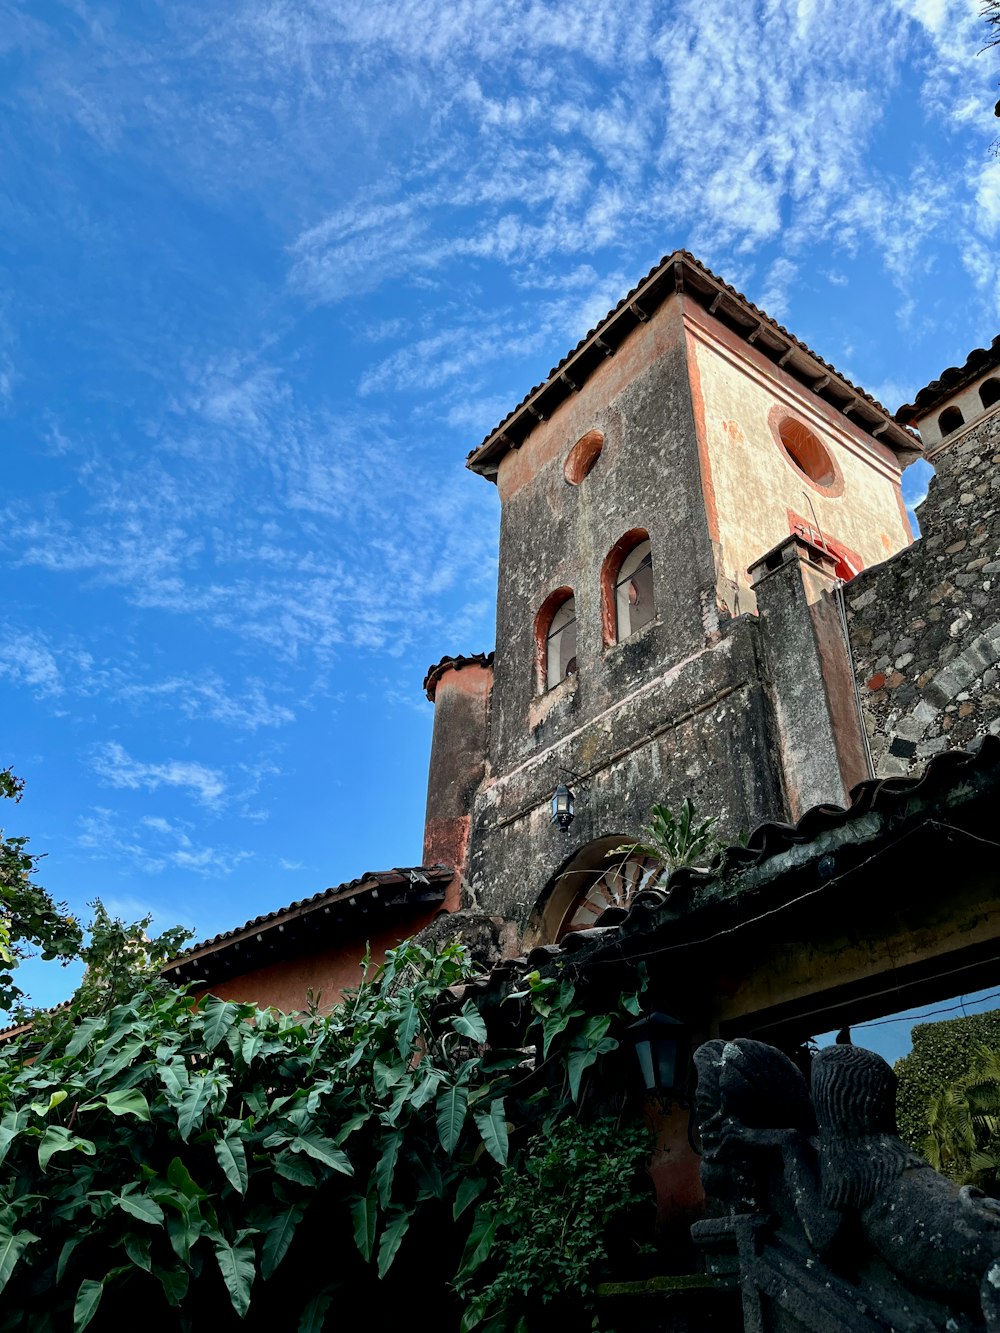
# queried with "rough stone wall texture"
point(925, 626)
point(700, 729)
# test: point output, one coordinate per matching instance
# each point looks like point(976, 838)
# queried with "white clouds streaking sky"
point(273, 268)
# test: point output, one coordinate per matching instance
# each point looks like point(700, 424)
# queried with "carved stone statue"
point(834, 1218)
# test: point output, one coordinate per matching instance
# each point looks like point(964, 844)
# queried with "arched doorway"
point(589, 883)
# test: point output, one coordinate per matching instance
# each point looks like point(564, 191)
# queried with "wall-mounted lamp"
point(563, 807)
point(661, 1045)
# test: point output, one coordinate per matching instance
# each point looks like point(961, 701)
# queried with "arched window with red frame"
point(555, 639)
point(627, 597)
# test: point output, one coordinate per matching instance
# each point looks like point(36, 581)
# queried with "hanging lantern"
point(661, 1046)
point(563, 807)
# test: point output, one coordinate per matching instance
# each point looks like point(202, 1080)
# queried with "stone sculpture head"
point(854, 1092)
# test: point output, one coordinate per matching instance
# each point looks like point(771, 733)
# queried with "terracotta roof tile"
point(435, 672)
point(978, 362)
point(681, 271)
point(407, 886)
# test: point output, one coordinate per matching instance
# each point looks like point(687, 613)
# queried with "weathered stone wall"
point(925, 626)
point(701, 730)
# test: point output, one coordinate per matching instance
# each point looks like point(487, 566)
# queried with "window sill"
point(637, 637)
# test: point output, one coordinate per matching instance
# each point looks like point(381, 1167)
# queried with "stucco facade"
point(686, 406)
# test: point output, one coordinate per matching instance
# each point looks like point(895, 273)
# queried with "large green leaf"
point(277, 1238)
point(238, 1266)
point(408, 1029)
point(323, 1150)
point(88, 1298)
point(142, 1207)
point(124, 1055)
point(393, 1234)
point(194, 1104)
point(314, 1315)
point(387, 1076)
point(11, 1125)
point(83, 1035)
point(57, 1138)
point(385, 1168)
point(480, 1242)
point(426, 1088)
point(493, 1127)
point(137, 1249)
point(174, 1282)
point(12, 1246)
point(219, 1016)
point(470, 1023)
point(232, 1158)
point(452, 1106)
point(180, 1179)
point(65, 1254)
point(469, 1190)
point(294, 1168)
point(364, 1213)
point(128, 1102)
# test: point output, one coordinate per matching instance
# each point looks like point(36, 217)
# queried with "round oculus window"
point(582, 457)
point(805, 451)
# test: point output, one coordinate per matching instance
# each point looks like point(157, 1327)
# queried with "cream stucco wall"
point(969, 403)
point(751, 484)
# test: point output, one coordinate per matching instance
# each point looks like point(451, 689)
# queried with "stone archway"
point(588, 884)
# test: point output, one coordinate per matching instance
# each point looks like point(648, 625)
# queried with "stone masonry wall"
point(925, 626)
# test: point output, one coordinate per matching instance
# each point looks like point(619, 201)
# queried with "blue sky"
point(269, 269)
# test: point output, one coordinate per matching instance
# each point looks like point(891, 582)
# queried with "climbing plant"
point(217, 1164)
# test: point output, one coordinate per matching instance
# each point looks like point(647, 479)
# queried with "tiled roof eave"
point(447, 663)
point(681, 272)
point(280, 932)
point(979, 362)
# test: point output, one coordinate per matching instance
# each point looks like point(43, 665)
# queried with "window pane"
point(560, 646)
point(634, 591)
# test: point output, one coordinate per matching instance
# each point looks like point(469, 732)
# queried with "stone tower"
point(680, 500)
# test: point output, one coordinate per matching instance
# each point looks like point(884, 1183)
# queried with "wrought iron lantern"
point(563, 807)
point(661, 1045)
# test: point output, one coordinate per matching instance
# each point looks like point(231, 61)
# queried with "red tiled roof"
point(435, 672)
point(276, 933)
point(681, 272)
point(978, 362)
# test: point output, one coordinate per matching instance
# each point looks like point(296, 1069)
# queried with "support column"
point(810, 678)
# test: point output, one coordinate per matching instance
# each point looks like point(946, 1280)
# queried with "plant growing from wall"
point(220, 1165)
point(675, 840)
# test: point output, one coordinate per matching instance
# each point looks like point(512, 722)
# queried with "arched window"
point(555, 638)
point(596, 877)
point(989, 392)
point(950, 420)
point(627, 586)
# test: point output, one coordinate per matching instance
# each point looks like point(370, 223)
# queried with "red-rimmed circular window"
point(805, 451)
point(582, 457)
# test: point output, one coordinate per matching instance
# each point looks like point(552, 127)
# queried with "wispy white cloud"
point(152, 846)
point(113, 765)
point(26, 659)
